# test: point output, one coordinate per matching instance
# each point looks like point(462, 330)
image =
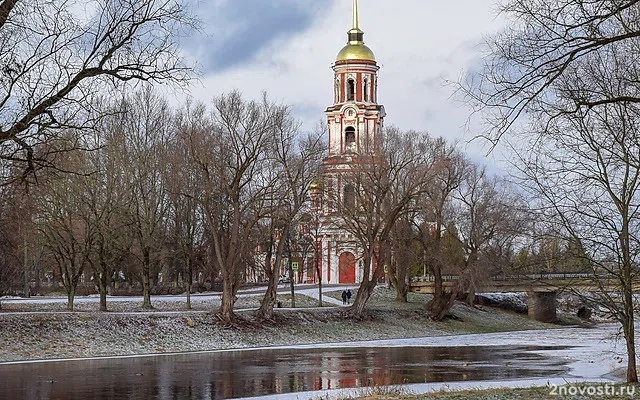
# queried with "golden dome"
point(356, 52)
point(315, 185)
point(355, 48)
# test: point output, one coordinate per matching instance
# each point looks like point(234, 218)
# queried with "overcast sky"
point(286, 48)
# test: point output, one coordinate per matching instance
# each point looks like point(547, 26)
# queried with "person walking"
point(348, 296)
point(344, 297)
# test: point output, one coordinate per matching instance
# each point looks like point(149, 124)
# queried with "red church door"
point(347, 268)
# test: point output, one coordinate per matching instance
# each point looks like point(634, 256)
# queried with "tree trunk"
point(146, 286)
point(402, 292)
point(470, 295)
point(320, 292)
point(437, 282)
point(318, 266)
point(440, 307)
point(629, 335)
point(228, 294)
point(292, 283)
point(102, 285)
point(438, 292)
point(627, 296)
point(398, 277)
point(189, 282)
point(366, 288)
point(38, 275)
point(364, 293)
point(293, 292)
point(269, 300)
point(27, 288)
point(628, 326)
point(393, 280)
point(71, 294)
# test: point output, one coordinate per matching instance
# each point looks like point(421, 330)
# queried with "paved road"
point(303, 289)
point(313, 293)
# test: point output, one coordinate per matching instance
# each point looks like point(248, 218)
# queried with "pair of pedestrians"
point(346, 296)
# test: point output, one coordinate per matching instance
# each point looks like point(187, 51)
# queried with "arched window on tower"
point(349, 197)
point(366, 89)
point(351, 89)
point(350, 139)
point(375, 90)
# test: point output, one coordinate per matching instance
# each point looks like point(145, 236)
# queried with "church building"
point(354, 122)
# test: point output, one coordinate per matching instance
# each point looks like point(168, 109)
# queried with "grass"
point(386, 319)
point(466, 319)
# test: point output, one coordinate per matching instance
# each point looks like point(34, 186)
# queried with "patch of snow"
point(424, 388)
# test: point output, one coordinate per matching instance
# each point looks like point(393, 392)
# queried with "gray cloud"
point(236, 30)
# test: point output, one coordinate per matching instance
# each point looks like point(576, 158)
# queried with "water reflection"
point(261, 372)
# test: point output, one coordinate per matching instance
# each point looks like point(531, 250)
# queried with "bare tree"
point(586, 174)
point(185, 191)
point(434, 211)
point(568, 70)
point(296, 162)
point(146, 120)
point(385, 186)
point(404, 256)
point(542, 43)
point(11, 228)
point(231, 160)
point(107, 196)
point(488, 216)
point(65, 224)
point(55, 56)
point(311, 226)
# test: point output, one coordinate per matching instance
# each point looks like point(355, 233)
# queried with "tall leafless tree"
point(488, 216)
point(185, 190)
point(107, 196)
point(404, 256)
point(296, 163)
point(586, 175)
point(11, 222)
point(65, 224)
point(55, 56)
point(231, 160)
point(146, 122)
point(386, 185)
point(434, 211)
point(565, 74)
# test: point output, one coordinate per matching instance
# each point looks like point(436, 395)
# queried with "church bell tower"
point(355, 118)
point(354, 123)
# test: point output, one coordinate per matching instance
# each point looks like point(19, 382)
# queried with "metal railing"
point(554, 276)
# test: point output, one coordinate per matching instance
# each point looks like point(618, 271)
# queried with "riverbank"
point(35, 335)
point(563, 392)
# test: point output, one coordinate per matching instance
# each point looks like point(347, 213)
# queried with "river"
point(235, 374)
